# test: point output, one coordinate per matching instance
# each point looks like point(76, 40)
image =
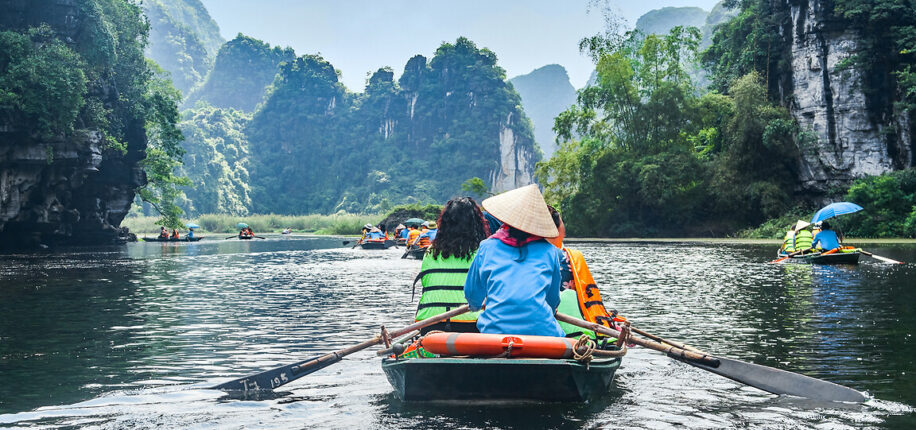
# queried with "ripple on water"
point(131, 338)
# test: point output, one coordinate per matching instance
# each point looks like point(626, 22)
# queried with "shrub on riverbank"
point(890, 205)
point(213, 223)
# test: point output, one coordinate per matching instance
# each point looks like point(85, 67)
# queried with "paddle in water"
point(271, 379)
point(768, 379)
point(878, 257)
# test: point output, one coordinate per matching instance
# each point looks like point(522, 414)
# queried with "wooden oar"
point(230, 237)
point(884, 259)
point(780, 260)
point(260, 237)
point(768, 379)
point(271, 379)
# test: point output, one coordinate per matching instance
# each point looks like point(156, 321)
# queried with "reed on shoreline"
point(342, 224)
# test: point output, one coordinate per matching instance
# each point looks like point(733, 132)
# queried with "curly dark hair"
point(461, 229)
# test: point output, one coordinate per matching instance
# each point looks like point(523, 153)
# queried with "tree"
point(477, 187)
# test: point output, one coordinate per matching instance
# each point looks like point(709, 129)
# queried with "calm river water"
point(129, 337)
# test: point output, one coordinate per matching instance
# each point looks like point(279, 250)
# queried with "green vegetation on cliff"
point(646, 156)
point(316, 147)
point(661, 21)
point(243, 70)
point(182, 39)
point(216, 158)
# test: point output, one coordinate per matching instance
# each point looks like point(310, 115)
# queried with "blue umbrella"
point(241, 225)
point(192, 226)
point(835, 209)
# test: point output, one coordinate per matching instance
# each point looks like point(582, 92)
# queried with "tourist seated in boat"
point(163, 233)
point(826, 239)
point(190, 234)
point(579, 294)
point(445, 265)
point(175, 234)
point(413, 236)
point(401, 232)
point(246, 232)
point(428, 235)
point(375, 234)
point(803, 239)
point(797, 239)
point(516, 272)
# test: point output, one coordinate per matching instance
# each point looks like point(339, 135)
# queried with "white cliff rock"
point(830, 105)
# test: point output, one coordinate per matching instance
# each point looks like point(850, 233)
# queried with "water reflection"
point(129, 337)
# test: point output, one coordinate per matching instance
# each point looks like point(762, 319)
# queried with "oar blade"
point(271, 379)
point(780, 381)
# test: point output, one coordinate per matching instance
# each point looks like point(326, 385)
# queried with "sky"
point(360, 36)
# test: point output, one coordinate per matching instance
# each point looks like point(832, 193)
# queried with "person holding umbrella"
point(826, 238)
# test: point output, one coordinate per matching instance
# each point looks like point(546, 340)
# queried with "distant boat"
point(170, 239)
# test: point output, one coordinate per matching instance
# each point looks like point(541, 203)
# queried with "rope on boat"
point(583, 349)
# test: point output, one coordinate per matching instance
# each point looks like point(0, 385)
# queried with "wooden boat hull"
point(378, 245)
point(532, 379)
point(402, 242)
point(183, 239)
point(416, 253)
point(835, 258)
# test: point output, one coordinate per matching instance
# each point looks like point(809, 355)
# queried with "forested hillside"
point(316, 147)
point(183, 40)
point(661, 21)
point(545, 93)
point(243, 70)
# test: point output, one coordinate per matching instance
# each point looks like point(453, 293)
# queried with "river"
point(131, 336)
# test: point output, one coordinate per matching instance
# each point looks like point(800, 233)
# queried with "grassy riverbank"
point(342, 224)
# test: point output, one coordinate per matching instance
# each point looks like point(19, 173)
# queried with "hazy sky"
point(359, 36)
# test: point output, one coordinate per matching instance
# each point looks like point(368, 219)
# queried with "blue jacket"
point(827, 239)
point(521, 296)
point(405, 233)
point(431, 234)
point(375, 235)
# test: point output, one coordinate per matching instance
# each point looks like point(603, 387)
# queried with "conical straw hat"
point(801, 224)
point(523, 208)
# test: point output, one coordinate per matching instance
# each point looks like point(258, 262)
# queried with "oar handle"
point(671, 350)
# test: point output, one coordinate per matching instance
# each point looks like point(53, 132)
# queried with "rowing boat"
point(402, 242)
point(512, 379)
point(163, 239)
point(377, 244)
point(844, 256)
point(416, 253)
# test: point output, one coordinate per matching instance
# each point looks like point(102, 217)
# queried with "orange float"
point(480, 344)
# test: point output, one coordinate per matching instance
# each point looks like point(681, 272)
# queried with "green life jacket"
point(443, 287)
point(803, 240)
point(789, 242)
point(569, 305)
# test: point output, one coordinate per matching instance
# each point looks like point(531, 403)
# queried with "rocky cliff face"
point(851, 135)
point(63, 191)
point(67, 189)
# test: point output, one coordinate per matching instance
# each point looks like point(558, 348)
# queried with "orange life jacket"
point(590, 303)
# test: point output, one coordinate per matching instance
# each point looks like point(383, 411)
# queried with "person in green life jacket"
point(803, 240)
point(445, 265)
point(797, 239)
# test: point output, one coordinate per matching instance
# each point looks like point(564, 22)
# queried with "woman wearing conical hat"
point(516, 273)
